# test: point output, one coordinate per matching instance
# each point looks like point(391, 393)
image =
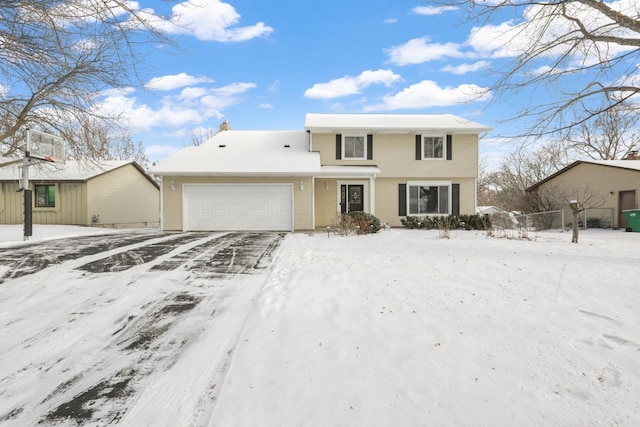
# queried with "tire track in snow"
point(25, 260)
point(155, 340)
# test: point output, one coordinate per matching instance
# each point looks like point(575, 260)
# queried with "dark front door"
point(351, 198)
point(627, 201)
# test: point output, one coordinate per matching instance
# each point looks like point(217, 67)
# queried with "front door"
point(351, 198)
point(627, 201)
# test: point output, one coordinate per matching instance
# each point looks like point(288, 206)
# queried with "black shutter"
point(369, 147)
point(402, 199)
point(449, 147)
point(418, 147)
point(455, 199)
point(338, 146)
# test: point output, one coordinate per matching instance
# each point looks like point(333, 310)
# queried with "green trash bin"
point(633, 218)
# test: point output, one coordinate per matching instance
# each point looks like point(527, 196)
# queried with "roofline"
point(572, 165)
point(265, 174)
point(398, 130)
point(84, 180)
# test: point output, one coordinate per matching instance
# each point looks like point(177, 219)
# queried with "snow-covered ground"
point(11, 235)
point(400, 328)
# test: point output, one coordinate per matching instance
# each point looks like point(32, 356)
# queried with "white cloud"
point(160, 151)
point(391, 20)
point(427, 94)
point(498, 41)
point(220, 98)
point(266, 106)
point(465, 68)
point(191, 106)
point(349, 85)
point(417, 51)
point(212, 20)
point(192, 92)
point(174, 81)
point(432, 10)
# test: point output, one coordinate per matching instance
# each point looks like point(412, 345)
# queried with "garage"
point(239, 207)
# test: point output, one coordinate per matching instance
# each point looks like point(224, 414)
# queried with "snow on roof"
point(236, 152)
point(625, 164)
point(71, 170)
point(391, 123)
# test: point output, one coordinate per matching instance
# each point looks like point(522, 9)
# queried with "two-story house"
point(390, 165)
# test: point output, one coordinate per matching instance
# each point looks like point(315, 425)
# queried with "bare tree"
point(522, 169)
point(201, 135)
point(57, 56)
point(97, 140)
point(579, 57)
point(487, 194)
point(610, 136)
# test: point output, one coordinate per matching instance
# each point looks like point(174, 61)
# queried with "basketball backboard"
point(45, 146)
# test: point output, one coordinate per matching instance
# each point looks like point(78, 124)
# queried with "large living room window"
point(45, 196)
point(429, 198)
point(433, 147)
point(354, 147)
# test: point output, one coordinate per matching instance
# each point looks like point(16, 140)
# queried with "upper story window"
point(45, 196)
point(354, 147)
point(433, 147)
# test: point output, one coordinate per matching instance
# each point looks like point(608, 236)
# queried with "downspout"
point(161, 202)
point(313, 187)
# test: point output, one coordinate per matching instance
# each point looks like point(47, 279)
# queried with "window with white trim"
point(354, 147)
point(433, 147)
point(429, 198)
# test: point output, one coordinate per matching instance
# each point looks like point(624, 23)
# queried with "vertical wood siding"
point(123, 197)
point(69, 209)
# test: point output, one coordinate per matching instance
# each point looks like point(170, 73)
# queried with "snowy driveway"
point(95, 327)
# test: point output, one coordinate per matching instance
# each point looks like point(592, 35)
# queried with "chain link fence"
point(563, 219)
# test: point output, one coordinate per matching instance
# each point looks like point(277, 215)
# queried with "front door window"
point(351, 198)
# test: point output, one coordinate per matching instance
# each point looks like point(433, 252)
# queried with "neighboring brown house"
point(116, 194)
point(389, 165)
point(616, 183)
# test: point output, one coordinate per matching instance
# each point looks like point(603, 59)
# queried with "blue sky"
point(264, 65)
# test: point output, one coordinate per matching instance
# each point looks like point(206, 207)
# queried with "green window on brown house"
point(45, 196)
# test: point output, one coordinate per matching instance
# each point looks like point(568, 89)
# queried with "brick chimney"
point(225, 126)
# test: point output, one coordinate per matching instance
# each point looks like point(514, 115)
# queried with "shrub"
point(368, 223)
point(451, 222)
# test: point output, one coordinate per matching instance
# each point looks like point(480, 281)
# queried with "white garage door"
point(242, 207)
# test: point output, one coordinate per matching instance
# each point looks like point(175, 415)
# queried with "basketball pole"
point(28, 212)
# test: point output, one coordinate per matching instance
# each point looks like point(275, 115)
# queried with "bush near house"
point(368, 223)
point(451, 222)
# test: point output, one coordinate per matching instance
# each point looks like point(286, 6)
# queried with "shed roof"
point(234, 152)
point(71, 170)
point(391, 123)
point(633, 165)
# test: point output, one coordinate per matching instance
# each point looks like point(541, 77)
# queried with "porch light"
point(326, 185)
point(173, 187)
point(301, 185)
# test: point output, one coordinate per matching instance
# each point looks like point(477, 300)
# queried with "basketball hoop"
point(46, 147)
